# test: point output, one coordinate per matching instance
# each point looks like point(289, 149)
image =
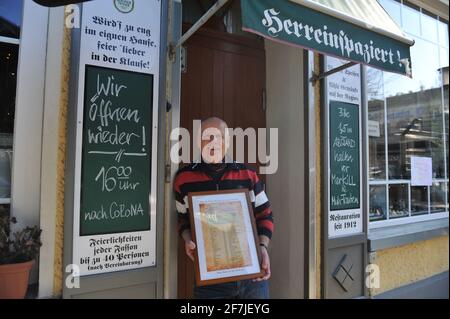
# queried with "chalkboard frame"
point(150, 143)
point(331, 104)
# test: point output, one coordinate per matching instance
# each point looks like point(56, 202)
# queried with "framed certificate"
point(224, 230)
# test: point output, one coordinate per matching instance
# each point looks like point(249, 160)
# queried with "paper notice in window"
point(225, 237)
point(421, 171)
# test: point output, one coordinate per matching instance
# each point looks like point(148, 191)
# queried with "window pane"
point(376, 131)
point(10, 18)
point(444, 58)
point(425, 75)
point(378, 204)
point(411, 20)
point(8, 67)
point(419, 200)
point(432, 130)
point(429, 28)
point(393, 8)
point(446, 120)
point(398, 201)
point(443, 33)
point(414, 112)
point(437, 198)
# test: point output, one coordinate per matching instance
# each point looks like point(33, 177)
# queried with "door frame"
point(247, 47)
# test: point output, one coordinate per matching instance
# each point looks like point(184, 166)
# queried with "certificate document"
point(223, 228)
point(224, 234)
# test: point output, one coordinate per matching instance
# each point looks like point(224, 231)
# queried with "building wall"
point(28, 122)
point(411, 263)
point(53, 151)
point(285, 188)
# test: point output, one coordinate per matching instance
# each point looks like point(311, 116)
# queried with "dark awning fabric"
point(355, 30)
point(56, 3)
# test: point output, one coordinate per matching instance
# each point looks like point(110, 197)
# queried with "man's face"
point(213, 144)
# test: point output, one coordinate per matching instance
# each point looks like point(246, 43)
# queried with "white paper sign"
point(373, 128)
point(344, 86)
point(421, 171)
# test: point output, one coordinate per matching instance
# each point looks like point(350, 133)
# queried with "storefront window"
point(409, 118)
point(10, 21)
point(414, 114)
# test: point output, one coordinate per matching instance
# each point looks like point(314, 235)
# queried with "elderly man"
point(214, 173)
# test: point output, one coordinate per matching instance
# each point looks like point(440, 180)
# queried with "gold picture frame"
point(224, 229)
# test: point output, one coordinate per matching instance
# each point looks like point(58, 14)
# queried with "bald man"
point(214, 173)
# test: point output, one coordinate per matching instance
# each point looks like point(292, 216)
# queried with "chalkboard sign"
point(116, 155)
point(344, 156)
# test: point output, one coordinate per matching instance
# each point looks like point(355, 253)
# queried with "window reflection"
point(8, 69)
point(415, 114)
point(444, 58)
point(378, 205)
point(398, 201)
point(10, 18)
point(438, 201)
point(411, 20)
point(443, 33)
point(419, 200)
point(425, 69)
point(446, 119)
point(429, 27)
point(376, 115)
point(393, 7)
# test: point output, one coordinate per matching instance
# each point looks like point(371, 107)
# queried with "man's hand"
point(265, 264)
point(189, 245)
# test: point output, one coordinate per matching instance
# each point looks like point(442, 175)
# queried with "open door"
point(223, 76)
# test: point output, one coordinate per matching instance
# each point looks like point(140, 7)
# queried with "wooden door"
point(224, 77)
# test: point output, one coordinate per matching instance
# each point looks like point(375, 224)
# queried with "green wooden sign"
point(116, 155)
point(344, 153)
point(294, 24)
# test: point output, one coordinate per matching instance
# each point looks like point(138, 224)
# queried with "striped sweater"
point(196, 178)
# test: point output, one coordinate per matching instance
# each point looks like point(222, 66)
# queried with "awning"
point(360, 31)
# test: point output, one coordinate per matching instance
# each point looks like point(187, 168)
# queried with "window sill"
point(392, 236)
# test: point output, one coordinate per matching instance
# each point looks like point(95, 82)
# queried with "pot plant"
point(18, 252)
